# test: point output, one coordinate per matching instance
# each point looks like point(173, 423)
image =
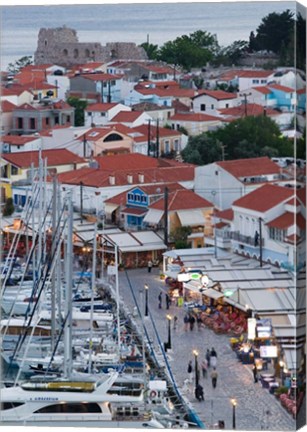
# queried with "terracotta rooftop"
point(262, 89)
point(287, 220)
point(100, 76)
point(183, 199)
point(127, 116)
point(264, 198)
point(217, 94)
point(248, 109)
point(7, 106)
point(54, 157)
point(18, 139)
point(281, 88)
point(195, 117)
point(225, 214)
point(163, 132)
point(256, 73)
point(250, 167)
point(100, 107)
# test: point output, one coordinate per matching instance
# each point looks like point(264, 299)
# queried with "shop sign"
point(111, 270)
point(264, 328)
point(251, 328)
point(268, 351)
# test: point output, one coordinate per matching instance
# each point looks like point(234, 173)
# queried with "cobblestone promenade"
point(256, 408)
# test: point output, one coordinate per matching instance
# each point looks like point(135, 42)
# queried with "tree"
point(151, 50)
point(8, 208)
point(231, 54)
point(274, 30)
point(188, 51)
point(180, 237)
point(202, 149)
point(79, 106)
point(14, 68)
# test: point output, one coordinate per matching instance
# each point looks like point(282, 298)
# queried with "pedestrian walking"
point(255, 373)
point(167, 300)
point(199, 393)
point(186, 322)
point(204, 367)
point(190, 371)
point(192, 322)
point(213, 358)
point(149, 266)
point(208, 357)
point(160, 300)
point(214, 376)
point(175, 322)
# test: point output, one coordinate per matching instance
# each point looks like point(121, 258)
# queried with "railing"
point(250, 240)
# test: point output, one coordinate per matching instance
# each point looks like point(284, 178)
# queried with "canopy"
point(153, 216)
point(191, 217)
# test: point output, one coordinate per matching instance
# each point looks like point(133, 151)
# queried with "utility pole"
point(166, 216)
point(245, 102)
point(260, 240)
point(148, 137)
point(109, 91)
point(157, 139)
point(84, 145)
point(81, 201)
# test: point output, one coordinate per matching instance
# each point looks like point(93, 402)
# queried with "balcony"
point(249, 240)
point(223, 239)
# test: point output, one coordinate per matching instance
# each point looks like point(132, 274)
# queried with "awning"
point(153, 216)
point(109, 208)
point(212, 293)
point(134, 211)
point(191, 217)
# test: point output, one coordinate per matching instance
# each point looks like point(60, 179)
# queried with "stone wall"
point(61, 46)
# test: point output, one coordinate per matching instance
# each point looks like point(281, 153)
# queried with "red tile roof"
point(256, 73)
point(100, 76)
point(221, 225)
point(100, 107)
point(162, 84)
point(225, 214)
point(293, 239)
point(183, 199)
point(217, 94)
point(7, 106)
point(264, 198)
point(248, 109)
point(301, 91)
point(127, 116)
point(133, 161)
point(168, 92)
point(54, 157)
point(134, 211)
point(262, 89)
point(195, 117)
point(287, 220)
point(250, 167)
point(281, 88)
point(18, 139)
point(301, 195)
point(163, 132)
point(13, 91)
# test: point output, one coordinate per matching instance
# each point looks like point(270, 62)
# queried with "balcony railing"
point(250, 240)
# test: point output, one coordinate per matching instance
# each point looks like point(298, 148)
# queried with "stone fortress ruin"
point(61, 46)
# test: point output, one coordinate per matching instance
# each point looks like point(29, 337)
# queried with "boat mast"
point(92, 297)
point(68, 299)
point(53, 247)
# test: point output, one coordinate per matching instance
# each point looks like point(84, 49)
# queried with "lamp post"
point(169, 341)
point(146, 300)
point(234, 404)
point(196, 367)
point(281, 369)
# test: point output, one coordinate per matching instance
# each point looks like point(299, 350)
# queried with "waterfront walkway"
point(256, 408)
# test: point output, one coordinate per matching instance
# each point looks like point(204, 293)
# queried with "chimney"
point(141, 178)
point(112, 179)
point(129, 178)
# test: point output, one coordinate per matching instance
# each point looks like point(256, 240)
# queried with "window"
point(144, 200)
point(277, 234)
point(212, 106)
point(227, 105)
point(103, 114)
point(47, 121)
point(89, 114)
point(263, 81)
point(76, 53)
point(130, 197)
point(203, 107)
point(176, 145)
point(166, 147)
point(113, 83)
point(14, 170)
point(10, 405)
point(65, 52)
point(19, 123)
point(255, 81)
point(32, 123)
point(137, 198)
point(71, 408)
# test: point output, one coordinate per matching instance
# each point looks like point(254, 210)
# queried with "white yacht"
point(108, 402)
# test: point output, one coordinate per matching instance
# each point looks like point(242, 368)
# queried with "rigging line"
point(26, 325)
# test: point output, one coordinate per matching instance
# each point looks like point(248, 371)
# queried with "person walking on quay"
point(192, 322)
point(199, 393)
point(190, 371)
point(204, 367)
point(214, 376)
point(149, 266)
point(213, 358)
point(255, 373)
point(186, 322)
point(175, 322)
point(208, 357)
point(160, 300)
point(167, 300)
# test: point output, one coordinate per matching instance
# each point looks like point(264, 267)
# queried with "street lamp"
point(196, 367)
point(169, 341)
point(281, 368)
point(234, 404)
point(146, 300)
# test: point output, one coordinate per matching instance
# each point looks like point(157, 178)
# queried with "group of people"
point(189, 321)
point(210, 361)
point(167, 300)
